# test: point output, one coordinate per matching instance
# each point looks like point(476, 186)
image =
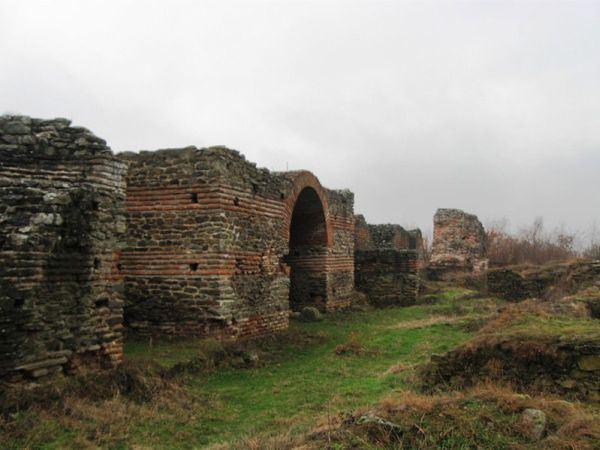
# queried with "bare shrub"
point(531, 245)
point(592, 248)
point(426, 250)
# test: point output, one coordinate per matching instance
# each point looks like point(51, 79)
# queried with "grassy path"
point(306, 377)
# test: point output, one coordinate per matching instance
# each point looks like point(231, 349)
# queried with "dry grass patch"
point(428, 322)
point(398, 368)
point(486, 416)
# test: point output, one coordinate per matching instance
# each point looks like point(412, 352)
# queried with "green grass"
point(303, 379)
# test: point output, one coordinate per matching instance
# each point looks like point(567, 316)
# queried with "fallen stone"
point(368, 419)
point(42, 364)
point(311, 314)
point(533, 423)
point(251, 357)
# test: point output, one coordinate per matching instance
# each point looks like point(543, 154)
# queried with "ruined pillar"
point(458, 244)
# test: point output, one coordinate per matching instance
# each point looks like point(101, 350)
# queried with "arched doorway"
point(308, 247)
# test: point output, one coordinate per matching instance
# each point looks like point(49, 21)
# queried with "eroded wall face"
point(386, 263)
point(458, 244)
point(209, 245)
point(389, 277)
point(61, 204)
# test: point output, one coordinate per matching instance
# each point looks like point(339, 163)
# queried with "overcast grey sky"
point(492, 107)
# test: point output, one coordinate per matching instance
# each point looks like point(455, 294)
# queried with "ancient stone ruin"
point(458, 244)
point(186, 242)
point(386, 262)
point(217, 246)
point(181, 242)
point(61, 202)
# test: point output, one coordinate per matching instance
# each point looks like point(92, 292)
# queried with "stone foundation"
point(519, 283)
point(61, 294)
point(554, 364)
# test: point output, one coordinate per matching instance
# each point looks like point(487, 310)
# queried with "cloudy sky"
point(492, 107)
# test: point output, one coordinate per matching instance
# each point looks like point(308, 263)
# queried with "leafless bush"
point(533, 244)
point(592, 249)
point(426, 250)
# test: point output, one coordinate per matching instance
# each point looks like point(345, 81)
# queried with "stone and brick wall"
point(217, 246)
point(61, 200)
point(386, 263)
point(387, 276)
point(362, 234)
point(340, 268)
point(458, 244)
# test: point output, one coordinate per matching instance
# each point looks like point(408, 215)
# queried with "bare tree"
point(592, 249)
point(531, 245)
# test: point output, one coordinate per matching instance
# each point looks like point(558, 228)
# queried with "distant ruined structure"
point(458, 244)
point(182, 242)
point(386, 262)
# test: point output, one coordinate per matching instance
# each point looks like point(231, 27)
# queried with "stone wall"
point(386, 263)
point(565, 365)
point(217, 246)
point(518, 283)
point(61, 197)
point(458, 244)
point(383, 236)
point(387, 276)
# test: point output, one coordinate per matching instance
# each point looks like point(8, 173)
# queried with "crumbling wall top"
point(23, 136)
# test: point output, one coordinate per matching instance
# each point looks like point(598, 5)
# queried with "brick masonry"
point(458, 244)
point(217, 246)
point(386, 262)
point(61, 201)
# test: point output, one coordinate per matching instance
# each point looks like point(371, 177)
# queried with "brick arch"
point(301, 180)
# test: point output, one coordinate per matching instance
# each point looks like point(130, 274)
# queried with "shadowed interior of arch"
point(308, 252)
